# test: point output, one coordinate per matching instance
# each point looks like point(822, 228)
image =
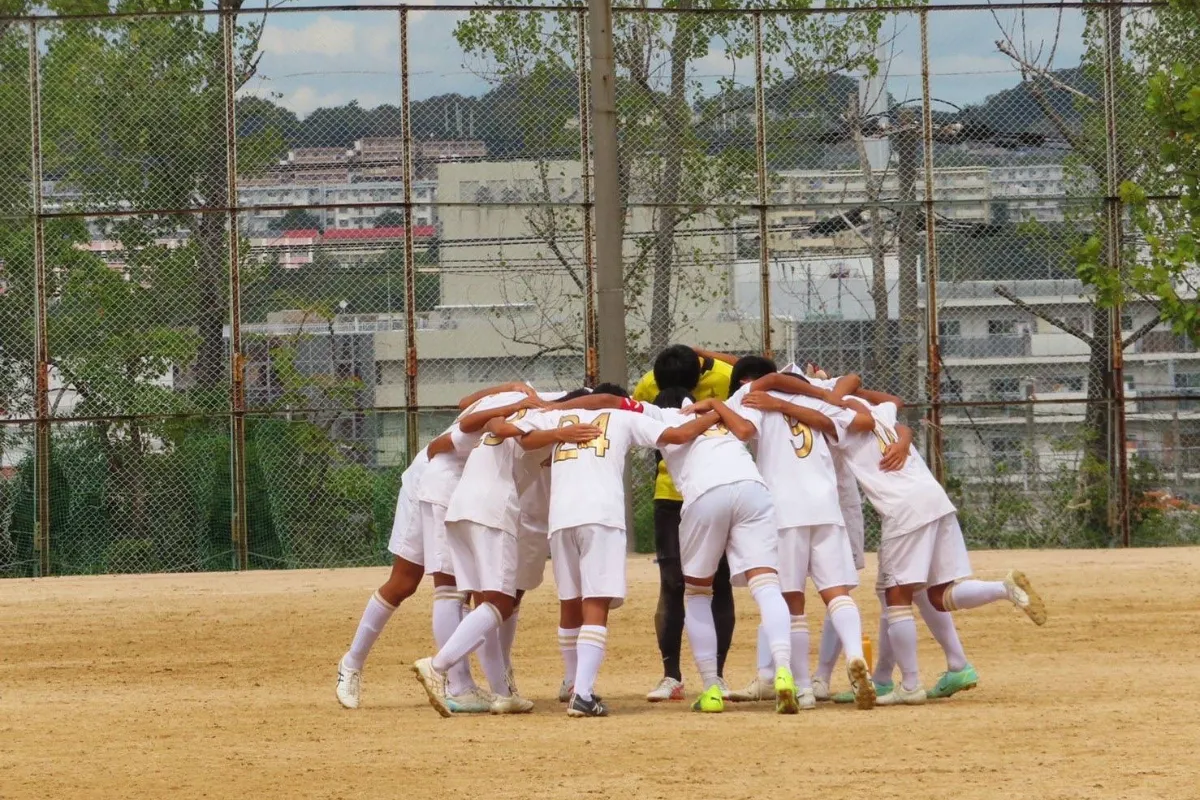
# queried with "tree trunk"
point(676, 119)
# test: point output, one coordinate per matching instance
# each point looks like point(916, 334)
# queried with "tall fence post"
point(610, 283)
point(591, 333)
point(760, 151)
point(41, 482)
point(1119, 498)
point(933, 356)
point(412, 429)
point(237, 361)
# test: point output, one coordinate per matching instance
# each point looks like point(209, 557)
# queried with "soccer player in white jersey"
point(727, 511)
point(795, 459)
point(433, 493)
point(481, 533)
point(921, 544)
point(407, 547)
point(959, 674)
point(587, 523)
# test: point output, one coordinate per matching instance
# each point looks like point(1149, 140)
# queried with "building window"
point(1001, 327)
point(1126, 322)
point(950, 327)
point(1007, 388)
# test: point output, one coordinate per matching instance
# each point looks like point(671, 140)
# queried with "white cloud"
point(324, 36)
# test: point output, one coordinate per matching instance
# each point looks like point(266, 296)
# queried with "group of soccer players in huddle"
point(523, 474)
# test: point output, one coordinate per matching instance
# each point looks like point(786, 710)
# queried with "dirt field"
point(222, 686)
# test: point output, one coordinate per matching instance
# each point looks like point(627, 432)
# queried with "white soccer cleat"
point(513, 704)
point(899, 696)
point(667, 689)
point(434, 684)
point(724, 688)
point(820, 689)
point(349, 685)
point(806, 699)
point(565, 690)
point(861, 684)
point(472, 701)
point(1022, 595)
point(758, 689)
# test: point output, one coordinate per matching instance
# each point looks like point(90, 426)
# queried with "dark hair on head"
point(583, 392)
point(610, 388)
point(749, 368)
point(677, 366)
point(674, 397)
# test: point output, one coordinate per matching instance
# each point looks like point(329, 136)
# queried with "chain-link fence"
point(252, 257)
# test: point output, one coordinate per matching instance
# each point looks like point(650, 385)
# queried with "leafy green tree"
point(1172, 229)
point(134, 115)
point(1110, 264)
point(671, 179)
point(296, 219)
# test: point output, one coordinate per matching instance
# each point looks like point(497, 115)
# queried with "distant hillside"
point(805, 118)
point(1015, 110)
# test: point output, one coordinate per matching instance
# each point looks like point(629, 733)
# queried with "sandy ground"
point(221, 685)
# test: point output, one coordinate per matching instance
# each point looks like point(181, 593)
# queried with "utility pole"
point(610, 286)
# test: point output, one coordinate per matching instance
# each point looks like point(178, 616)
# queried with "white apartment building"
point(1032, 192)
point(965, 192)
point(258, 222)
point(992, 352)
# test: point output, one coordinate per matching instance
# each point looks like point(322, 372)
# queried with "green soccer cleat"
point(950, 683)
point(848, 697)
point(786, 701)
point(712, 701)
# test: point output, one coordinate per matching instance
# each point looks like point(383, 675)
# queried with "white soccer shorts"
point(533, 548)
point(736, 519)
point(929, 556)
point(485, 559)
point(433, 534)
point(589, 561)
point(820, 552)
point(406, 540)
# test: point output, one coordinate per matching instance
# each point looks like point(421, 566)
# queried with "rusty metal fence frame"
point(933, 410)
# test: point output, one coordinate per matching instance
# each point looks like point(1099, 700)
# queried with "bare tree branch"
point(1140, 332)
point(1063, 325)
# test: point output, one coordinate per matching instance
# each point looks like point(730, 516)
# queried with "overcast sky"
point(316, 58)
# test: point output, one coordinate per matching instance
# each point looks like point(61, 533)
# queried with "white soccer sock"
point(508, 635)
point(776, 618)
point(843, 613)
point(590, 647)
point(831, 648)
point(448, 612)
point(567, 638)
point(701, 631)
point(941, 625)
point(468, 636)
point(972, 594)
point(902, 631)
point(491, 658)
point(800, 651)
point(885, 661)
point(766, 662)
point(374, 617)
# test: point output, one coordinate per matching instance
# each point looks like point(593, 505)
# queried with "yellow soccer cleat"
point(785, 692)
point(711, 702)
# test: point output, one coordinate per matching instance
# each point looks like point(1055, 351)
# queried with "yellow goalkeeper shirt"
point(714, 382)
